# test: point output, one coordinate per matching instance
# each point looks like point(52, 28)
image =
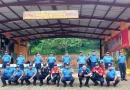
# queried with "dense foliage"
point(60, 45)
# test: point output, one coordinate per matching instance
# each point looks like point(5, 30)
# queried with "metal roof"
point(96, 18)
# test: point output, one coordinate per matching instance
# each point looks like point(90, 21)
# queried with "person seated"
point(111, 76)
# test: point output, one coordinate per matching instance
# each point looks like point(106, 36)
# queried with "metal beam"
point(66, 36)
point(71, 2)
point(60, 32)
point(80, 17)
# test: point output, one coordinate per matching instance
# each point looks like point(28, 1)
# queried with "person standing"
point(107, 60)
point(51, 60)
point(30, 74)
point(18, 73)
point(97, 75)
point(111, 76)
point(20, 61)
point(66, 58)
point(55, 75)
point(38, 60)
point(84, 72)
point(122, 66)
point(6, 59)
point(6, 74)
point(67, 75)
point(94, 59)
point(81, 59)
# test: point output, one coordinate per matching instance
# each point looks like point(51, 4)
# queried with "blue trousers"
point(51, 65)
point(81, 79)
point(108, 79)
point(122, 68)
point(99, 78)
point(3, 79)
point(54, 80)
point(15, 79)
point(38, 66)
point(40, 78)
point(106, 65)
point(80, 65)
point(26, 79)
point(21, 66)
point(93, 65)
point(4, 64)
point(64, 79)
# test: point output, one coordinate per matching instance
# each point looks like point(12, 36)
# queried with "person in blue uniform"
point(38, 60)
point(30, 74)
point(107, 60)
point(94, 59)
point(122, 66)
point(84, 72)
point(43, 74)
point(81, 59)
point(6, 74)
point(20, 61)
point(55, 75)
point(97, 75)
point(51, 60)
point(111, 76)
point(67, 75)
point(18, 73)
point(6, 59)
point(66, 58)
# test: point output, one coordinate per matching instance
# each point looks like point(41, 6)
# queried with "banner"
point(57, 14)
point(119, 41)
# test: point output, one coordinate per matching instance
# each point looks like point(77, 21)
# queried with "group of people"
point(50, 72)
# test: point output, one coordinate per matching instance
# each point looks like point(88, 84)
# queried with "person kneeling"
point(55, 75)
point(67, 75)
point(111, 76)
point(97, 75)
point(84, 72)
point(30, 74)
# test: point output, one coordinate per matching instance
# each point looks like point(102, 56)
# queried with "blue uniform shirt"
point(37, 59)
point(8, 72)
point(21, 60)
point(6, 58)
point(18, 73)
point(107, 59)
point(67, 72)
point(31, 72)
point(82, 59)
point(87, 71)
point(121, 59)
point(66, 59)
point(94, 58)
point(51, 59)
point(111, 73)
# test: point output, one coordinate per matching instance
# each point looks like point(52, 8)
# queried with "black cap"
point(81, 52)
point(67, 64)
point(6, 51)
point(107, 52)
point(109, 65)
point(44, 64)
point(55, 64)
point(8, 64)
point(30, 64)
point(17, 66)
point(93, 51)
point(51, 53)
point(96, 64)
point(38, 52)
